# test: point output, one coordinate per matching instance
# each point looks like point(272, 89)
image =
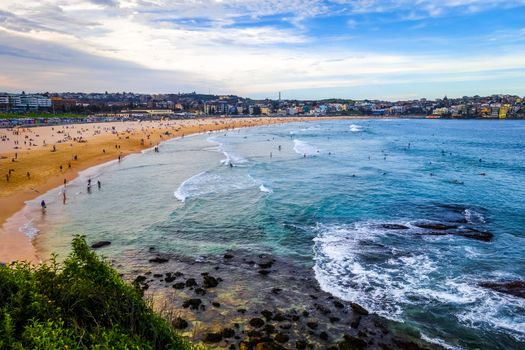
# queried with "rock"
point(140, 279)
point(200, 291)
point(210, 282)
point(334, 319)
point(228, 256)
point(254, 334)
point(267, 314)
point(264, 272)
point(180, 323)
point(352, 343)
point(190, 282)
point(192, 304)
point(100, 244)
point(435, 226)
point(159, 260)
point(170, 279)
point(177, 274)
point(269, 329)
point(158, 275)
point(338, 304)
point(355, 323)
point(478, 235)
point(216, 304)
point(276, 290)
point(394, 227)
point(279, 317)
point(286, 325)
point(281, 338)
point(268, 345)
point(241, 311)
point(212, 337)
point(312, 324)
point(228, 333)
point(516, 288)
point(256, 322)
point(265, 265)
point(323, 336)
point(301, 344)
point(305, 313)
point(322, 309)
point(359, 309)
point(179, 285)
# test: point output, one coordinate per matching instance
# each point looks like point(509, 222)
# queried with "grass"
point(82, 303)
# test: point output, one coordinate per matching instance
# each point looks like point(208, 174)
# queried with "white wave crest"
point(265, 189)
point(29, 230)
point(356, 128)
point(302, 147)
point(473, 217)
point(207, 182)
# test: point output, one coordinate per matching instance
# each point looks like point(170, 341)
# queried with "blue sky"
point(390, 49)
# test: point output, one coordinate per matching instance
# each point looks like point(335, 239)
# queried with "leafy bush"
point(80, 304)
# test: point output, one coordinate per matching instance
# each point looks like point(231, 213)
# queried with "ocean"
point(405, 217)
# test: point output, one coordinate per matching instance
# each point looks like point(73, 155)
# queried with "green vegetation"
point(5, 115)
point(80, 304)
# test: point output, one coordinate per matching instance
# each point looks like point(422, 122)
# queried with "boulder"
point(159, 260)
point(100, 244)
point(256, 322)
point(180, 323)
point(359, 309)
point(192, 304)
point(516, 288)
point(210, 282)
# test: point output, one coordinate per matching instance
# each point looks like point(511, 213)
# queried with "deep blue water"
point(321, 200)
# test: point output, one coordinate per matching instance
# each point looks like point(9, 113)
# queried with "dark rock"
point(228, 256)
point(151, 249)
point(264, 272)
point(394, 227)
point(256, 322)
point(179, 285)
point(478, 235)
point(281, 338)
point(212, 337)
point(359, 309)
point(265, 265)
point(228, 333)
point(322, 309)
point(300, 344)
point(190, 282)
point(159, 260)
point(158, 275)
point(323, 336)
point(177, 274)
point(334, 319)
point(435, 226)
point(254, 334)
point(267, 314)
point(312, 324)
point(286, 325)
point(355, 322)
point(180, 323)
point(100, 244)
point(516, 288)
point(170, 279)
point(352, 343)
point(338, 304)
point(313, 296)
point(279, 317)
point(210, 282)
point(306, 313)
point(140, 279)
point(276, 290)
point(241, 311)
point(200, 291)
point(216, 304)
point(204, 273)
point(192, 304)
point(269, 329)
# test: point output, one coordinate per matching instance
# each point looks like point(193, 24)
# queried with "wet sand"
point(35, 160)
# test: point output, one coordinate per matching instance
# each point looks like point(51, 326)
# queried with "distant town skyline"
point(312, 49)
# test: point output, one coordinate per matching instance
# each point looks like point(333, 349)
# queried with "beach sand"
point(35, 160)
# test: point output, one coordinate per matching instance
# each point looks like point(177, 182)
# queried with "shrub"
point(80, 304)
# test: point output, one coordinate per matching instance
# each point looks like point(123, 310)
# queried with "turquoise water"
point(321, 199)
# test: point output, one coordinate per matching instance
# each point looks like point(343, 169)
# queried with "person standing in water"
point(43, 204)
point(99, 184)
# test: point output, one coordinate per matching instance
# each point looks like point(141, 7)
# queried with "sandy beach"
point(35, 160)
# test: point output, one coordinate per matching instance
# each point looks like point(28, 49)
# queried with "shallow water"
point(322, 200)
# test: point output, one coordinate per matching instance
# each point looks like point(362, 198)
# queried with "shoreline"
point(16, 245)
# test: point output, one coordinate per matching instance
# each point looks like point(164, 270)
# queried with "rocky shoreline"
point(243, 300)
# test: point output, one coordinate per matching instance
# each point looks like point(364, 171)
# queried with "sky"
point(309, 49)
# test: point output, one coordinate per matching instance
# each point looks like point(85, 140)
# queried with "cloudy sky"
point(391, 49)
